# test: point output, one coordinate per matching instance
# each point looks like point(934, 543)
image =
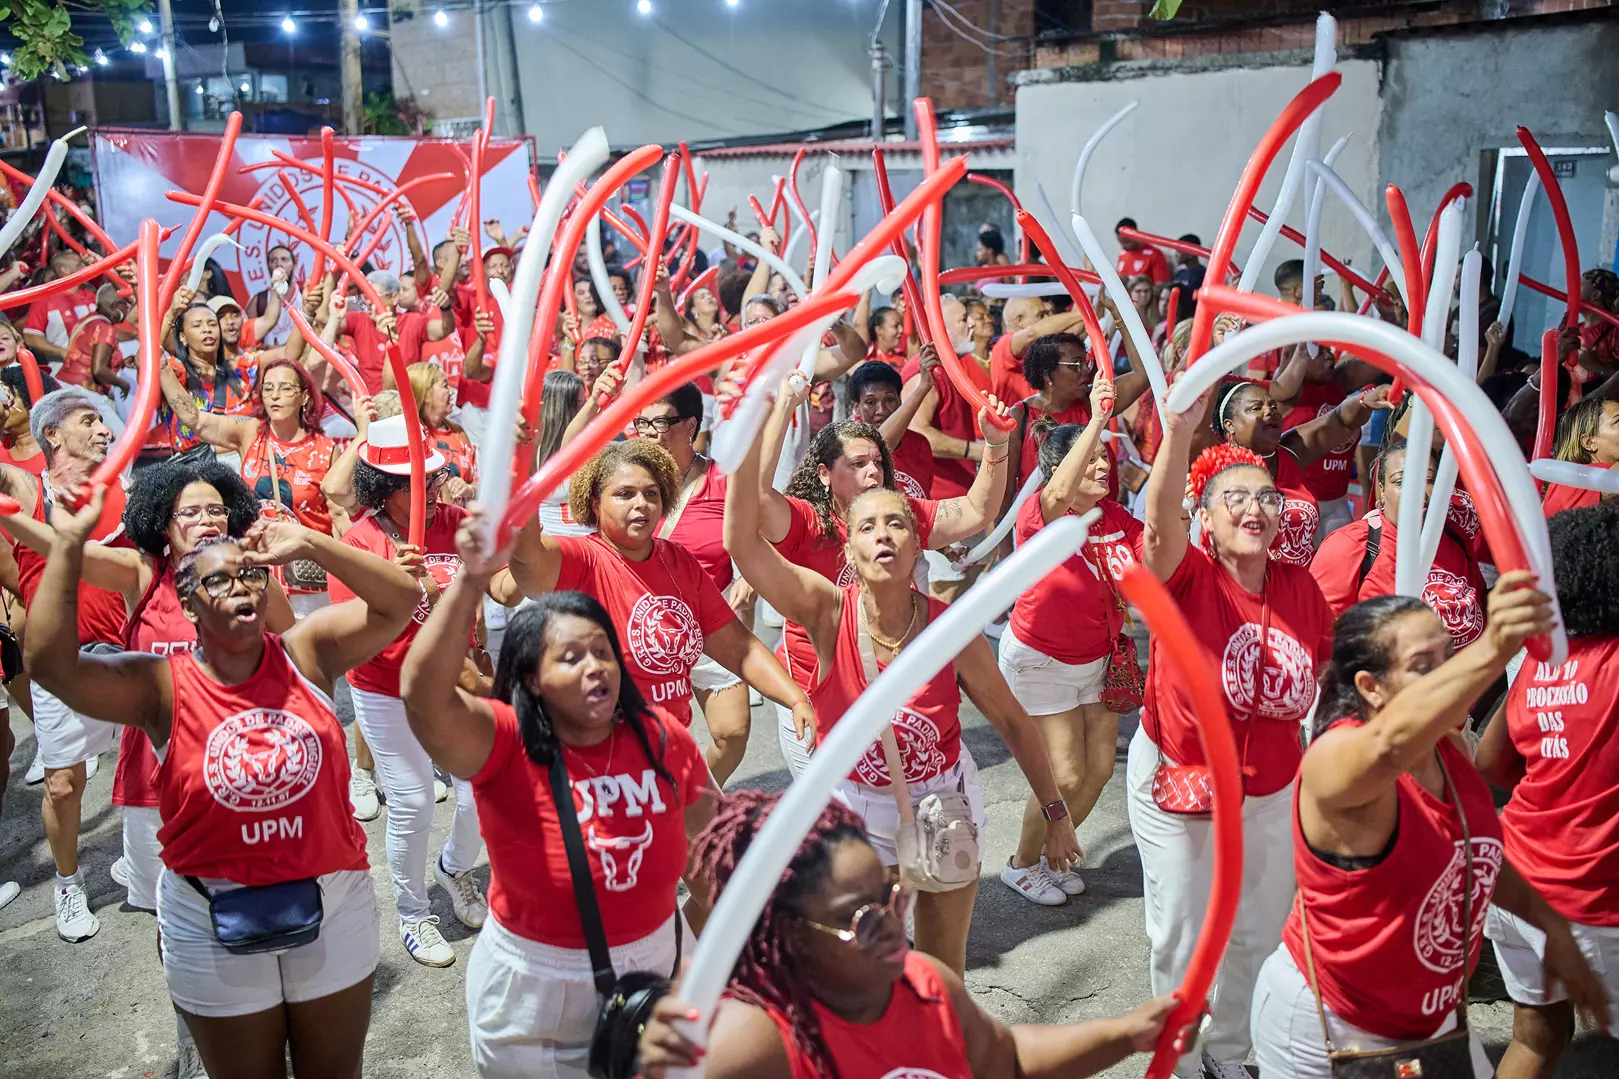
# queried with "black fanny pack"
point(265, 918)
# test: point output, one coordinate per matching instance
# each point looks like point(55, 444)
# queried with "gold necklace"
point(894, 646)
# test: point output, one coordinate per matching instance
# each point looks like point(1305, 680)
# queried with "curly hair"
point(17, 382)
point(372, 486)
point(149, 506)
point(585, 488)
point(520, 654)
point(1360, 642)
point(1041, 358)
point(1217, 459)
point(1585, 558)
point(1606, 284)
point(309, 416)
point(763, 975)
point(1575, 426)
point(826, 448)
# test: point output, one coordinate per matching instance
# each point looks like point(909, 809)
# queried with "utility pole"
point(879, 92)
point(353, 90)
point(477, 48)
point(170, 85)
point(913, 64)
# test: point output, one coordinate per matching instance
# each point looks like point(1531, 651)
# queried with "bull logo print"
point(1289, 677)
point(664, 636)
point(444, 569)
point(1456, 604)
point(918, 747)
point(1295, 535)
point(620, 856)
point(261, 760)
point(1463, 514)
point(1439, 938)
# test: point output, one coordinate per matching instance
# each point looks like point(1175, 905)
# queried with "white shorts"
point(1045, 685)
point(305, 602)
point(709, 676)
point(66, 737)
point(531, 1007)
point(878, 810)
point(1520, 949)
point(206, 980)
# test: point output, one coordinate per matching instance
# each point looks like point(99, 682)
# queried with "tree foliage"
point(44, 31)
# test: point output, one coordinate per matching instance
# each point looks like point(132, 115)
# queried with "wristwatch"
point(1055, 811)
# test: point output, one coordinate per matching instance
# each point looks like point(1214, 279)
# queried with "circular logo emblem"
point(847, 576)
point(1463, 514)
point(1289, 682)
point(907, 483)
point(664, 636)
point(261, 759)
point(918, 747)
point(1456, 604)
point(444, 569)
point(257, 240)
point(1439, 938)
point(1295, 534)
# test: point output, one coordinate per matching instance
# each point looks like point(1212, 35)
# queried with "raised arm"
point(476, 366)
point(1062, 486)
point(894, 428)
point(671, 327)
point(761, 269)
point(1164, 540)
point(942, 445)
point(1315, 440)
point(1354, 766)
point(775, 516)
point(272, 308)
point(120, 570)
point(536, 560)
point(965, 515)
point(234, 433)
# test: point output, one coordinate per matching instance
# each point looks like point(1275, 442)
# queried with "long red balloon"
point(927, 132)
point(334, 357)
point(1024, 248)
point(705, 280)
point(205, 206)
point(30, 375)
point(1193, 667)
point(1225, 242)
point(298, 203)
point(649, 273)
point(19, 297)
point(960, 275)
point(328, 169)
point(1565, 226)
point(1546, 422)
point(85, 220)
point(798, 200)
point(1327, 259)
point(1093, 326)
point(376, 211)
point(913, 297)
point(1557, 294)
point(480, 280)
point(1416, 284)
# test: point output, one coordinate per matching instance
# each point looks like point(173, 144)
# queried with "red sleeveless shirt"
point(1388, 940)
point(1301, 514)
point(919, 1034)
point(256, 777)
point(101, 611)
point(928, 727)
point(157, 626)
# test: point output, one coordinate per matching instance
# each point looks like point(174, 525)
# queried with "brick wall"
point(958, 74)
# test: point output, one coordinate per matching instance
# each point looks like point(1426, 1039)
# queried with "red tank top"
point(34, 466)
point(928, 727)
point(919, 1034)
point(157, 626)
point(1388, 940)
point(255, 782)
point(1301, 514)
point(101, 612)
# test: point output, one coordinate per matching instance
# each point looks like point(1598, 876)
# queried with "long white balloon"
point(1316, 195)
point(199, 261)
point(599, 278)
point(1494, 438)
point(831, 196)
point(1007, 290)
point(769, 258)
point(772, 849)
point(1059, 235)
point(1433, 525)
point(506, 390)
point(502, 295)
point(1306, 146)
point(1590, 477)
point(1004, 526)
point(1520, 229)
point(1380, 240)
point(1090, 148)
point(20, 217)
point(1127, 312)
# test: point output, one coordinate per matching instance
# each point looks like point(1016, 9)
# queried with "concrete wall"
point(1173, 163)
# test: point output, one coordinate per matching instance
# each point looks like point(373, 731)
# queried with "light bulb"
point(440, 19)
point(288, 26)
point(138, 47)
point(535, 13)
point(199, 88)
point(145, 27)
point(644, 6)
point(101, 58)
point(247, 88)
point(732, 3)
point(162, 54)
point(361, 23)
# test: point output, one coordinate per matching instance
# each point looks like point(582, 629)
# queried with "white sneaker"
point(190, 1066)
point(363, 795)
point(120, 870)
point(441, 790)
point(1235, 1070)
point(1067, 880)
point(91, 765)
point(8, 892)
point(36, 771)
point(425, 944)
point(74, 920)
point(1034, 884)
point(471, 909)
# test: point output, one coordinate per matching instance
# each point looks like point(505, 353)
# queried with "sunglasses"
point(866, 926)
point(221, 583)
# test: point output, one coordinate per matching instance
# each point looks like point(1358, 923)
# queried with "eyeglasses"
point(659, 424)
point(867, 923)
point(221, 583)
point(437, 477)
point(1080, 364)
point(1236, 500)
point(278, 389)
point(192, 513)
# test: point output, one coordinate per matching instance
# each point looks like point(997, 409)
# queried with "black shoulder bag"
point(626, 1000)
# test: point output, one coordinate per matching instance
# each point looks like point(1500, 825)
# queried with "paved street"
point(101, 1009)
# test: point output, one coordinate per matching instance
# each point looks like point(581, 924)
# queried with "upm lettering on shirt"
point(599, 795)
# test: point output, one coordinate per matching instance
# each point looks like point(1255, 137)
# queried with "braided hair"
point(520, 655)
point(763, 972)
point(826, 448)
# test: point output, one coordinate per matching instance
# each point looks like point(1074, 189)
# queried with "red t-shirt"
point(1072, 614)
point(54, 317)
point(1228, 619)
point(1006, 379)
point(700, 528)
point(472, 391)
point(663, 607)
point(1301, 516)
point(255, 780)
point(370, 348)
point(1560, 497)
point(101, 611)
point(1145, 261)
point(913, 464)
point(956, 416)
point(1562, 822)
point(895, 360)
point(1388, 939)
point(1455, 588)
point(380, 674)
point(633, 821)
point(92, 330)
point(1327, 478)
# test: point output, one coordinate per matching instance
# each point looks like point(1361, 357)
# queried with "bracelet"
point(992, 445)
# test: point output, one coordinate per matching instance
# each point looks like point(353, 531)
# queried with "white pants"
point(143, 855)
point(880, 812)
point(406, 775)
point(797, 751)
point(206, 980)
point(1177, 872)
point(1520, 950)
point(66, 737)
point(1287, 1029)
point(531, 1007)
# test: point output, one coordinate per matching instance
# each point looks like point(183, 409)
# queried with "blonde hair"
point(423, 374)
point(585, 487)
point(386, 403)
